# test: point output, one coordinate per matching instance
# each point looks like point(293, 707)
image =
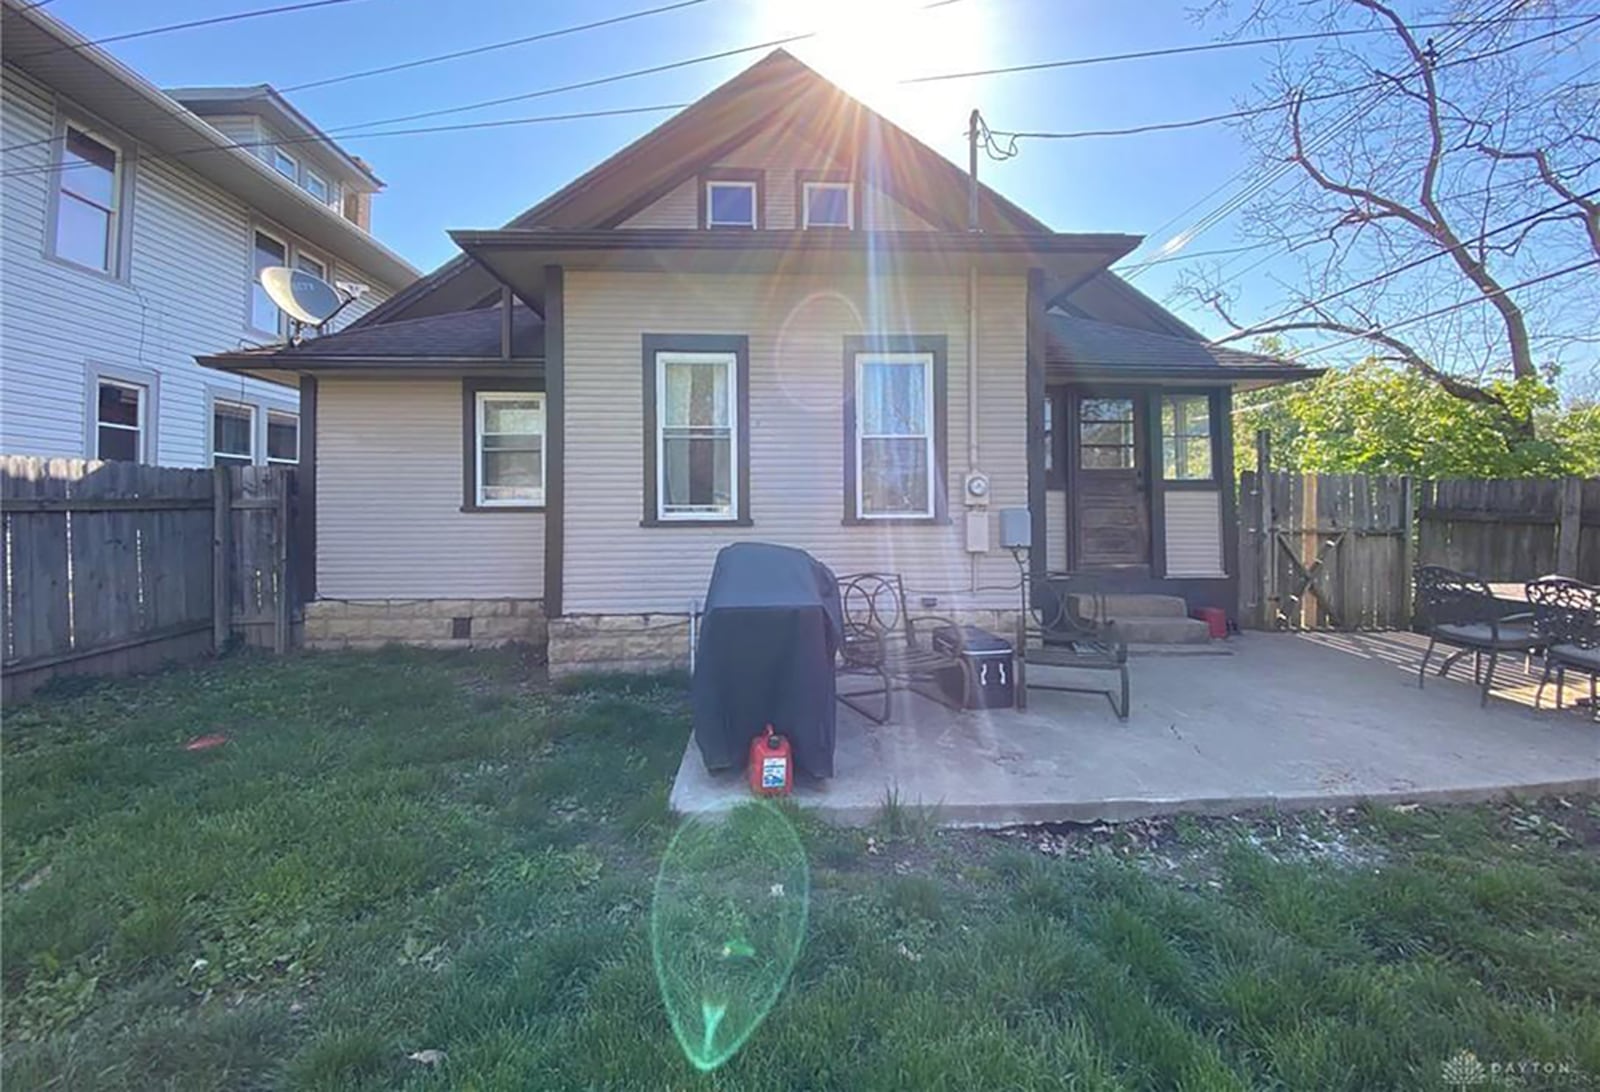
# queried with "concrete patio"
point(1289, 720)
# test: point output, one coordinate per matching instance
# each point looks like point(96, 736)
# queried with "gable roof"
point(778, 90)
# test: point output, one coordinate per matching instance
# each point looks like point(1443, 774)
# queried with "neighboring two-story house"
point(770, 318)
point(134, 222)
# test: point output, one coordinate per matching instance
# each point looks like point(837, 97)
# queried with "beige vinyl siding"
point(779, 156)
point(389, 519)
point(797, 328)
point(184, 293)
point(1194, 533)
point(1055, 530)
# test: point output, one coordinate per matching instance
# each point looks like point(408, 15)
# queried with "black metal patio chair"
point(1054, 631)
point(1461, 611)
point(884, 642)
point(1566, 617)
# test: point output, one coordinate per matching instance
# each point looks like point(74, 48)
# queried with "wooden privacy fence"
point(1335, 551)
point(1324, 551)
point(1512, 530)
point(112, 568)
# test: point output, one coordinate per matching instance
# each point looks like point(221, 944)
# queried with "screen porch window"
point(1106, 434)
point(697, 436)
point(283, 438)
point(233, 434)
point(119, 421)
point(510, 449)
point(86, 230)
point(828, 204)
point(894, 435)
point(731, 204)
point(1186, 437)
point(264, 314)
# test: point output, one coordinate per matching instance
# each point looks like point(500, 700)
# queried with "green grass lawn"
point(405, 851)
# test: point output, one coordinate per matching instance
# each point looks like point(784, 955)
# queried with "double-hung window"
point(697, 459)
point(696, 441)
point(895, 453)
point(266, 251)
point(1186, 437)
point(89, 184)
point(732, 203)
point(827, 205)
point(510, 449)
point(233, 433)
point(119, 424)
point(283, 438)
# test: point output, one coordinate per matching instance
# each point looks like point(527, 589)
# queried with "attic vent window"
point(731, 204)
point(828, 205)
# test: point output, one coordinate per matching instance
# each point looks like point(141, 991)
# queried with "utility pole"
point(972, 169)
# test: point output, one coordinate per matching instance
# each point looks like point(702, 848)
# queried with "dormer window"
point(828, 205)
point(286, 164)
point(316, 185)
point(732, 203)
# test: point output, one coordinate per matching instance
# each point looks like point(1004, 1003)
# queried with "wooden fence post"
point(1266, 557)
point(221, 559)
point(1569, 527)
point(1408, 548)
point(280, 627)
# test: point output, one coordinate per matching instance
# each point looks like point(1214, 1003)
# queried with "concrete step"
point(1163, 631)
point(1136, 606)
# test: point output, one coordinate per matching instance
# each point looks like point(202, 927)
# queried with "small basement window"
point(731, 204)
point(828, 205)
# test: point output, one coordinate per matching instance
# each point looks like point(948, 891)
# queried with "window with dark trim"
point(732, 199)
point(1186, 438)
point(896, 434)
point(502, 446)
point(696, 429)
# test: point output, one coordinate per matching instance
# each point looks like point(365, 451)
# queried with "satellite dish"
point(304, 297)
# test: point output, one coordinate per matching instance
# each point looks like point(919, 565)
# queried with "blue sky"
point(482, 178)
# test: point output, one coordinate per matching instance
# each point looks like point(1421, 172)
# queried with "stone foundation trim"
point(617, 643)
point(434, 623)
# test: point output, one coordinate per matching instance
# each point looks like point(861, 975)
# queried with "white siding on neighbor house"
point(1194, 532)
point(389, 495)
point(185, 292)
point(797, 327)
point(779, 156)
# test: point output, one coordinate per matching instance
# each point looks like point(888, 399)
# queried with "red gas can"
point(1216, 620)
point(771, 764)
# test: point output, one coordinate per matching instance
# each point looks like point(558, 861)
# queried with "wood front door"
point(1108, 482)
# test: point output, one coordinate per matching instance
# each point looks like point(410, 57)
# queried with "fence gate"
point(1325, 551)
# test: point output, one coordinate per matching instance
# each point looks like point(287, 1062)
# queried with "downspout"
point(973, 122)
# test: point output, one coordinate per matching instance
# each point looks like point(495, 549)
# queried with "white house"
point(132, 223)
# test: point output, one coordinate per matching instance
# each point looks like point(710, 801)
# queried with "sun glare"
point(868, 47)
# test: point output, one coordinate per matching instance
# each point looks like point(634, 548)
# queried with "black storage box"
point(986, 662)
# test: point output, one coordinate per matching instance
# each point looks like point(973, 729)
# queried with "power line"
point(454, 127)
point(1389, 327)
point(488, 48)
point(192, 24)
point(1309, 305)
point(1174, 51)
point(1270, 178)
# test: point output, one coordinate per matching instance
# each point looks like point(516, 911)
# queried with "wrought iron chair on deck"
point(884, 642)
point(1461, 611)
point(1053, 631)
point(1566, 617)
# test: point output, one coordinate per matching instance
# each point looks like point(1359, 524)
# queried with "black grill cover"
point(765, 656)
